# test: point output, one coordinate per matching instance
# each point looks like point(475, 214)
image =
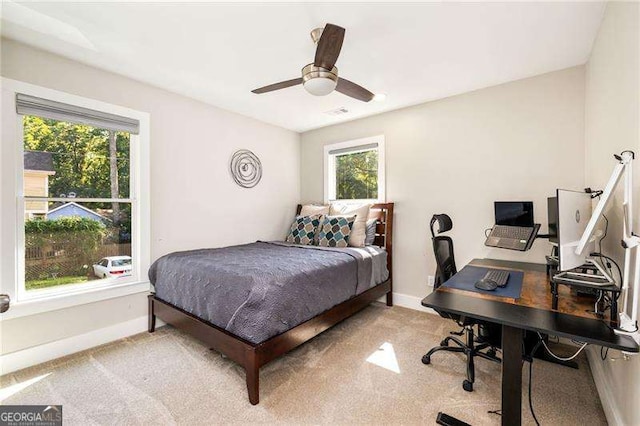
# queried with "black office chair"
point(446, 268)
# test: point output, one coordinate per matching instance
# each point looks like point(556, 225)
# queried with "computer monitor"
point(514, 213)
point(573, 214)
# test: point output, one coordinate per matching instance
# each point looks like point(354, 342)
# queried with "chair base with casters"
point(470, 349)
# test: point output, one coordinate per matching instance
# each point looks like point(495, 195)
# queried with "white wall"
point(516, 141)
point(612, 124)
point(194, 201)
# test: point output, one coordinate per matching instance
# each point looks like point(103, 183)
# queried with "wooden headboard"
point(384, 228)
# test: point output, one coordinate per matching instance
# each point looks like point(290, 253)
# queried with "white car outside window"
point(113, 266)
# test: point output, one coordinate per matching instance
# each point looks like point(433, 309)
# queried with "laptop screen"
point(514, 213)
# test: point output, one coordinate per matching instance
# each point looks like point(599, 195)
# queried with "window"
point(354, 170)
point(77, 208)
point(81, 176)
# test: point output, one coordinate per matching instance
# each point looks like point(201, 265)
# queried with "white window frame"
point(330, 167)
point(13, 202)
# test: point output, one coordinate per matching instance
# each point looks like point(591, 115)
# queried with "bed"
point(255, 302)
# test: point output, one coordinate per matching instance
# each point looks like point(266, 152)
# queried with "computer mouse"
point(486, 284)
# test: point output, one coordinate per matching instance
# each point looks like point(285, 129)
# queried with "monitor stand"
point(574, 277)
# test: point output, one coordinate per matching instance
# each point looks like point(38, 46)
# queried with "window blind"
point(31, 105)
point(358, 148)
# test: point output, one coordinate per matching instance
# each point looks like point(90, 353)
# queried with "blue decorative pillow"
point(303, 230)
point(335, 230)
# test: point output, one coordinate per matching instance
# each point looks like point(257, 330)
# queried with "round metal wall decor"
point(246, 168)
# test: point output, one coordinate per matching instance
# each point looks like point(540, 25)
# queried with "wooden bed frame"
point(252, 356)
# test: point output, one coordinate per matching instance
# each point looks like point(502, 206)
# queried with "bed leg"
point(152, 316)
point(390, 299)
point(253, 381)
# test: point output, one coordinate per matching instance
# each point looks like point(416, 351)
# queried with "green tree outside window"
point(357, 176)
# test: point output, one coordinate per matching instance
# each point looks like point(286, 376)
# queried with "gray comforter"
point(259, 290)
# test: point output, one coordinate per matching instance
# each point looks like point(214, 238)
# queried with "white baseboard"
point(604, 386)
point(38, 354)
point(411, 302)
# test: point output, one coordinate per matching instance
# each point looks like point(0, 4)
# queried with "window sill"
point(355, 202)
point(62, 301)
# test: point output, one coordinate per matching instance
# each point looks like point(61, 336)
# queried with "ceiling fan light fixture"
point(320, 86)
point(319, 81)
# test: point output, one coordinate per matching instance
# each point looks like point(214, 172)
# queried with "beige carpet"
point(365, 370)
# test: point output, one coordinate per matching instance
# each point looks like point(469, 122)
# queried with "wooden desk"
point(535, 289)
point(533, 312)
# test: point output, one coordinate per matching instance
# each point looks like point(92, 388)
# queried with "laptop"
point(514, 228)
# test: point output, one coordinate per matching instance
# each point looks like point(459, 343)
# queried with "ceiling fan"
point(321, 76)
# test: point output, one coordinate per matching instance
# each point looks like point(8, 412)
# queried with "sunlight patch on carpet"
point(385, 357)
point(8, 391)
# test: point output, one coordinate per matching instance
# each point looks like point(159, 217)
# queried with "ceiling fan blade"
point(349, 88)
point(329, 46)
point(278, 86)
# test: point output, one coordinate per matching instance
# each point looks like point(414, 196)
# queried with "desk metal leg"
point(512, 375)
point(554, 295)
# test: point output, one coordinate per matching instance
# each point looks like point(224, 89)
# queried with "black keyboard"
point(498, 276)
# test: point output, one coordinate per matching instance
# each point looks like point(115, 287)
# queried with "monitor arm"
point(630, 241)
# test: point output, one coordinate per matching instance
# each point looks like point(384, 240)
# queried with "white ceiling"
point(218, 53)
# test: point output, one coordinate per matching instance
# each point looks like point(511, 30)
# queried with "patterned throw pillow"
point(303, 230)
point(335, 230)
point(358, 232)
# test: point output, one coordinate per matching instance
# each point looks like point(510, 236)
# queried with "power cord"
point(595, 306)
point(598, 194)
point(606, 229)
point(530, 360)
point(614, 262)
point(604, 235)
point(584, 345)
point(535, 419)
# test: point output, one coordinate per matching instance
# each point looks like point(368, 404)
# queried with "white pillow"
point(359, 230)
point(314, 209)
